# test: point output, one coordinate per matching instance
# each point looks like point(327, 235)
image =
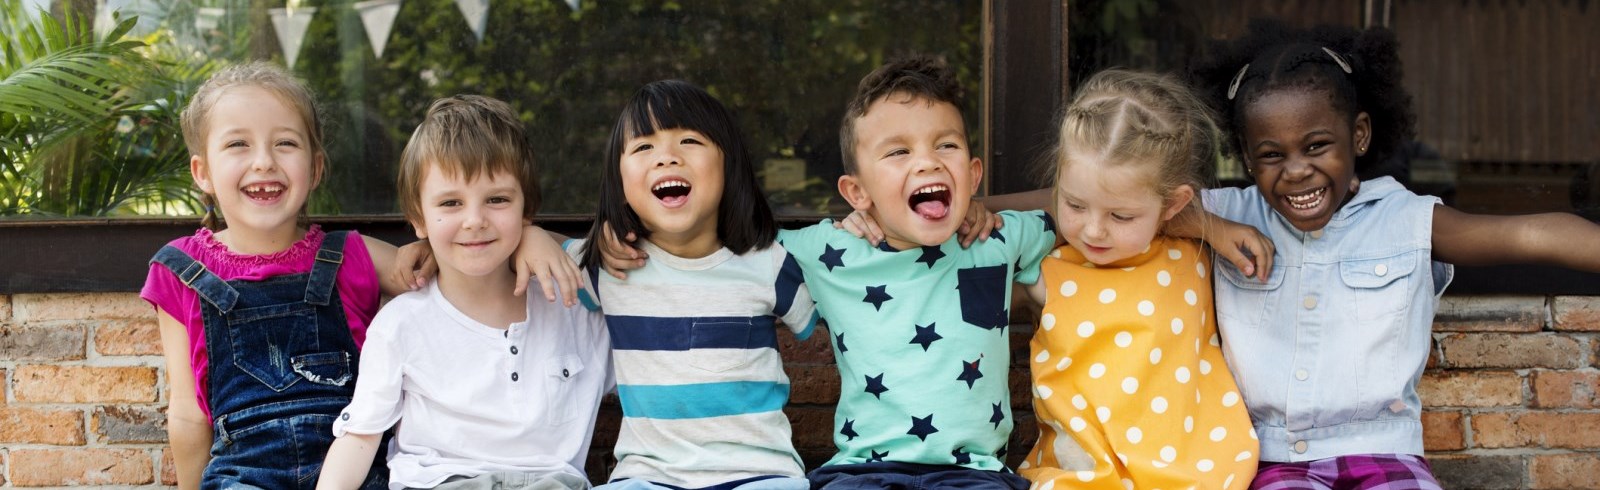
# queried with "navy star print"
point(838, 340)
point(961, 456)
point(922, 427)
point(925, 336)
point(995, 234)
point(969, 372)
point(875, 386)
point(877, 457)
point(849, 430)
point(832, 257)
point(930, 255)
point(877, 295)
point(998, 417)
point(1049, 225)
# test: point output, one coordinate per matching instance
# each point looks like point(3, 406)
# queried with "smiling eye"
point(949, 146)
point(450, 203)
point(1123, 218)
point(499, 200)
point(288, 143)
point(897, 152)
point(642, 147)
point(233, 144)
point(689, 141)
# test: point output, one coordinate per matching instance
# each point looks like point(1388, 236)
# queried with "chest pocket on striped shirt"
point(721, 344)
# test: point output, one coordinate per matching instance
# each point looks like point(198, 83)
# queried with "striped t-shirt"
point(698, 374)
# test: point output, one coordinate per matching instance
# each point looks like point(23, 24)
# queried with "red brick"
point(1471, 389)
point(816, 349)
point(128, 338)
point(5, 314)
point(1021, 388)
point(129, 425)
point(813, 384)
point(1566, 389)
point(1536, 429)
point(80, 467)
point(41, 426)
point(83, 384)
point(1564, 470)
point(812, 427)
point(48, 342)
point(1577, 313)
point(1496, 350)
point(1477, 471)
point(79, 306)
point(169, 469)
point(1442, 431)
point(1490, 314)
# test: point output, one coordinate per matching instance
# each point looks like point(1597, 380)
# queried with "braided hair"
point(1359, 70)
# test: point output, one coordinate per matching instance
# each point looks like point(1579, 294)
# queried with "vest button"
point(1300, 447)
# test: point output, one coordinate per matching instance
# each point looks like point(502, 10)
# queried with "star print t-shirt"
point(921, 341)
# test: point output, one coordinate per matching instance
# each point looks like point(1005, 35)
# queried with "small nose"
point(927, 163)
point(1094, 227)
point(263, 160)
point(1297, 169)
point(474, 218)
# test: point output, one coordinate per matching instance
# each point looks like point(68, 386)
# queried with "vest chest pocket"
point(1244, 302)
point(1381, 286)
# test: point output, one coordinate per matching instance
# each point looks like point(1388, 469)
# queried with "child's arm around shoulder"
point(376, 404)
point(188, 428)
point(1559, 239)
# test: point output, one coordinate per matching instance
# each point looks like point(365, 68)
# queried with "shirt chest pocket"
point(561, 378)
point(1244, 302)
point(1379, 287)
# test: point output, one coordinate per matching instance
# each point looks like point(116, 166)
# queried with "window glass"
point(785, 68)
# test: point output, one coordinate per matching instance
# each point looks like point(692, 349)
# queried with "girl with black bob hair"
point(1329, 348)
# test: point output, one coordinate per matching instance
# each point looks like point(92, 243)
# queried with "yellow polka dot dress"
point(1130, 386)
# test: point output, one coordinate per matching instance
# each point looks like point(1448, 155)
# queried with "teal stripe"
point(698, 401)
point(811, 325)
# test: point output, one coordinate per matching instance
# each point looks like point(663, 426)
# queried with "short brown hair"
point(916, 77)
point(468, 136)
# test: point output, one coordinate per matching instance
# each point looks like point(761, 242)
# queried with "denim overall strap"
point(326, 268)
point(195, 275)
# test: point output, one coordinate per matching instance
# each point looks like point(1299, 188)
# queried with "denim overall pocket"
point(267, 339)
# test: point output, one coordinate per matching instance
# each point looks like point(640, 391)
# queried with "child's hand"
point(861, 224)
point(540, 256)
point(1243, 245)
point(619, 256)
point(413, 264)
point(978, 223)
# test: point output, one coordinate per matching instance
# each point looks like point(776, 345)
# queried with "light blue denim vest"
point(1328, 350)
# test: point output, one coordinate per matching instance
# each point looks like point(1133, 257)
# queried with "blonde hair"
point(1123, 117)
point(195, 120)
point(468, 136)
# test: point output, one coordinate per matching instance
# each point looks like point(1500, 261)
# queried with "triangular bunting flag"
point(378, 17)
point(291, 28)
point(477, 14)
point(207, 18)
point(573, 4)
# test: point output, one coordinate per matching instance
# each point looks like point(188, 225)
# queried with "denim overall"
point(283, 365)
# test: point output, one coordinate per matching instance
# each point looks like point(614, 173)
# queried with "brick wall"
point(1512, 390)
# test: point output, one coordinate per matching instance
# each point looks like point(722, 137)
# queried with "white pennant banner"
point(378, 17)
point(573, 4)
point(207, 18)
point(291, 28)
point(477, 14)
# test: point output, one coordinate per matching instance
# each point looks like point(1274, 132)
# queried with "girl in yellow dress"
point(1130, 386)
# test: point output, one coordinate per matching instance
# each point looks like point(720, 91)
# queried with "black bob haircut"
point(1282, 57)
point(744, 219)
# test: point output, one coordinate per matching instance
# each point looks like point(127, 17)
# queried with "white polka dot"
point(1077, 424)
point(1124, 339)
point(1048, 485)
point(1183, 374)
point(1205, 367)
point(1253, 435)
point(1205, 465)
point(1230, 399)
point(1088, 264)
point(1243, 456)
point(1085, 475)
point(1045, 392)
point(1147, 308)
point(1164, 278)
point(1127, 269)
point(1158, 464)
point(1108, 295)
point(1135, 435)
point(1200, 268)
point(1158, 405)
point(1188, 424)
point(1216, 341)
point(1177, 326)
point(1169, 454)
point(1196, 346)
point(1062, 364)
point(1085, 329)
point(1047, 322)
point(1055, 254)
point(1197, 395)
point(1218, 434)
point(1190, 297)
point(1069, 288)
point(1079, 403)
point(1227, 483)
point(1043, 356)
point(1103, 413)
point(1097, 370)
point(1174, 253)
point(1025, 465)
point(1130, 385)
point(1155, 355)
point(1126, 483)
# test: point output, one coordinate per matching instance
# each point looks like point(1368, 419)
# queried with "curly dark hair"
point(1283, 57)
point(913, 77)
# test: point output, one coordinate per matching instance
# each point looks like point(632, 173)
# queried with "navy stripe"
point(681, 334)
point(789, 280)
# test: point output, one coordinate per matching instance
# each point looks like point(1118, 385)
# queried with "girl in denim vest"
point(1329, 348)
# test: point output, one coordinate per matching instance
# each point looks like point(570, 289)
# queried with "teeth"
point(932, 189)
point(261, 188)
point(1308, 200)
point(670, 183)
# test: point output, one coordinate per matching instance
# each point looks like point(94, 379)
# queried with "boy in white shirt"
point(495, 390)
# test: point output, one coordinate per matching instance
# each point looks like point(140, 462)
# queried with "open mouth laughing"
point(263, 191)
point(931, 202)
point(672, 192)
point(1307, 200)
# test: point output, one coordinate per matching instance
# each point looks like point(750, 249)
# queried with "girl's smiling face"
point(259, 162)
point(1112, 212)
point(673, 180)
point(1302, 153)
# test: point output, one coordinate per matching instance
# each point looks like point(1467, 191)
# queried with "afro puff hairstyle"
point(1282, 57)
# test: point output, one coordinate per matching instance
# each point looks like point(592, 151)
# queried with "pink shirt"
point(357, 284)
